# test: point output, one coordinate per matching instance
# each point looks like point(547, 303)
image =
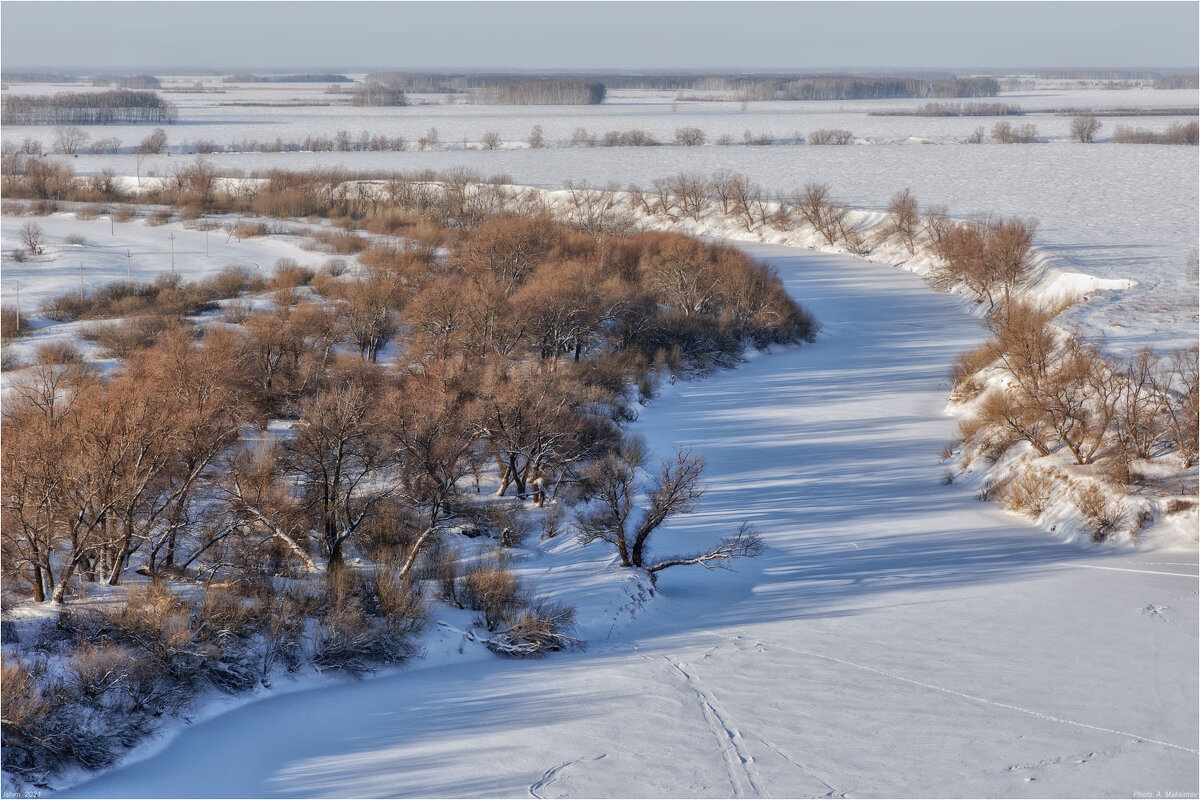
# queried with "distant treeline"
point(867, 88)
point(140, 82)
point(546, 93)
point(1098, 74)
point(1178, 82)
point(245, 77)
point(782, 86)
point(91, 108)
point(37, 77)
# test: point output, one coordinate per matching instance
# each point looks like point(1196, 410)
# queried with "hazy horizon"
point(599, 36)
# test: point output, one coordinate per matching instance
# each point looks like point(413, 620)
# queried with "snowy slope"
point(898, 637)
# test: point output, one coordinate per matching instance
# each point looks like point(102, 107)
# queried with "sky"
point(597, 35)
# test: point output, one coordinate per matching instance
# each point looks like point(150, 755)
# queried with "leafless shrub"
point(63, 352)
point(537, 628)
point(758, 139)
point(536, 139)
point(1006, 133)
point(689, 137)
point(830, 136)
point(340, 242)
point(124, 337)
point(1029, 492)
point(581, 138)
point(508, 522)
point(237, 311)
point(12, 324)
point(492, 589)
point(1103, 515)
point(289, 274)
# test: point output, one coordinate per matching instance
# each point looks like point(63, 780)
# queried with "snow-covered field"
point(898, 638)
point(1108, 210)
point(262, 112)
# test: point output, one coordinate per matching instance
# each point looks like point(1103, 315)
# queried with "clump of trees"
point(990, 257)
point(378, 94)
point(86, 108)
point(1065, 394)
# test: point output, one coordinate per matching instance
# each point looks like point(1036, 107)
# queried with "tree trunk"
point(39, 588)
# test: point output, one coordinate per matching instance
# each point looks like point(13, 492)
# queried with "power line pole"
point(128, 265)
point(206, 242)
point(81, 280)
point(17, 285)
point(172, 238)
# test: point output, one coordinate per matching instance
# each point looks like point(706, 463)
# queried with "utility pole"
point(17, 285)
point(81, 280)
point(112, 225)
point(172, 238)
point(206, 242)
point(128, 265)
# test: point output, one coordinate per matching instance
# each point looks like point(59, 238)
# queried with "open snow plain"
point(898, 637)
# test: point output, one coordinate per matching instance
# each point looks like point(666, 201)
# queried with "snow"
point(898, 637)
point(114, 251)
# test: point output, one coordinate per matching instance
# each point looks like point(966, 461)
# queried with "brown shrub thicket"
point(522, 346)
point(1175, 133)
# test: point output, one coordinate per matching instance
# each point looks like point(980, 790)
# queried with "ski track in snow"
point(971, 697)
point(1142, 571)
point(739, 764)
point(549, 775)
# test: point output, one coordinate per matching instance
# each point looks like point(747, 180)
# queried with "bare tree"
point(31, 237)
point(819, 210)
point(1084, 128)
point(155, 143)
point(674, 491)
point(536, 139)
point(70, 139)
point(904, 220)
